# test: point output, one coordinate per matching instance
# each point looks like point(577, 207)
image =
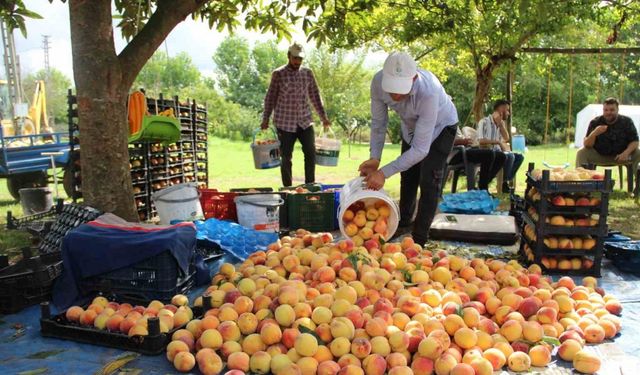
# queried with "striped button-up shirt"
point(288, 98)
point(487, 129)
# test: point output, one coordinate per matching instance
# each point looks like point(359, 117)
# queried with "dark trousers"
point(490, 163)
point(428, 175)
point(512, 164)
point(287, 141)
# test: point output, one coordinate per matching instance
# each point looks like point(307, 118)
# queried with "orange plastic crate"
point(219, 205)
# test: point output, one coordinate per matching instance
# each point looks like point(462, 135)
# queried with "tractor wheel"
point(25, 180)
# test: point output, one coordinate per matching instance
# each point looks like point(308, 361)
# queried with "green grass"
point(231, 166)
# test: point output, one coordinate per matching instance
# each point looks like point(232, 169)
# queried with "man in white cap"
point(429, 123)
point(290, 90)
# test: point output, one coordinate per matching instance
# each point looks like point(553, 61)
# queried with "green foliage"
point(164, 74)
point(13, 13)
point(56, 85)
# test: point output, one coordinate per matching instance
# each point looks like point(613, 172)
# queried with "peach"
point(594, 334)
point(431, 348)
point(361, 348)
point(422, 366)
point(126, 324)
point(285, 315)
point(230, 347)
point(229, 331)
point(195, 327)
point(519, 362)
point(211, 338)
point(376, 327)
point(113, 323)
point(174, 348)
point(87, 317)
point(184, 361)
point(568, 349)
point(280, 361)
point(374, 364)
point(238, 361)
point(253, 344)
point(529, 306)
point(609, 328)
point(540, 356)
point(546, 315)
point(209, 362)
point(445, 363)
point(380, 345)
point(452, 323)
point(532, 331)
point(306, 345)
point(243, 304)
point(260, 362)
point(511, 330)
point(100, 322)
point(351, 370)
point(586, 362)
point(270, 333)
point(247, 322)
point(465, 338)
point(395, 360)
point(401, 370)
point(462, 369)
point(504, 347)
point(342, 327)
point(481, 366)
point(308, 365)
point(73, 313)
point(613, 307)
point(496, 358)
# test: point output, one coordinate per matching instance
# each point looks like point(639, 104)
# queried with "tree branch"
point(167, 15)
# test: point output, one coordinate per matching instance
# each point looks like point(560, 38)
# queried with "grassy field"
point(231, 166)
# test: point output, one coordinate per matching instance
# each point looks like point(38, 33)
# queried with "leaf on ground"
point(130, 371)
point(37, 371)
point(313, 333)
point(45, 354)
point(117, 363)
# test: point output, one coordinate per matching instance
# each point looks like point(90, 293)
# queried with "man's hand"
point(368, 167)
point(504, 146)
point(622, 157)
point(375, 180)
point(265, 124)
point(599, 129)
point(326, 123)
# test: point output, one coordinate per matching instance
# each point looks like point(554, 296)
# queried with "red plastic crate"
point(219, 205)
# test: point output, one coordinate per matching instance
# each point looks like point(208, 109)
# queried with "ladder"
point(12, 67)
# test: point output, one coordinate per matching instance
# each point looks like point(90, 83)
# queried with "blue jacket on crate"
point(110, 243)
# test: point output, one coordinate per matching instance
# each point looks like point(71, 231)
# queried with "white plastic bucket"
point(327, 149)
point(354, 191)
point(260, 212)
point(178, 203)
point(265, 155)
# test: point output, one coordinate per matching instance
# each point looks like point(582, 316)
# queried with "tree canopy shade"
point(104, 77)
point(490, 32)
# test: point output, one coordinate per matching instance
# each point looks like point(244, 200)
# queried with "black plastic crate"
point(539, 251)
point(71, 216)
point(546, 186)
point(155, 278)
point(311, 211)
point(153, 344)
point(29, 281)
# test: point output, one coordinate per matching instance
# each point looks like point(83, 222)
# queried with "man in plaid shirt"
point(290, 87)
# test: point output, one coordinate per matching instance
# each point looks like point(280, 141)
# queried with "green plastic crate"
point(311, 211)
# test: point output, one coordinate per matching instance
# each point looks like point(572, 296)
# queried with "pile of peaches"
point(310, 305)
point(561, 174)
point(367, 222)
point(131, 320)
point(562, 243)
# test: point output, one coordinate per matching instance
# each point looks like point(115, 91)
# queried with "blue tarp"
point(109, 243)
point(473, 202)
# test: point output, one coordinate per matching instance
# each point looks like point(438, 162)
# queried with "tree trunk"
point(102, 94)
point(483, 85)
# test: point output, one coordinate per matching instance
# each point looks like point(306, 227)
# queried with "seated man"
point(611, 138)
point(490, 161)
point(492, 133)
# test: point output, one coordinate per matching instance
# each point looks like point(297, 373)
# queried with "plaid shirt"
point(287, 98)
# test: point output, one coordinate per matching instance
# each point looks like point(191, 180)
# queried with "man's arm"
point(379, 121)
point(271, 98)
point(316, 100)
point(421, 142)
point(632, 136)
point(593, 131)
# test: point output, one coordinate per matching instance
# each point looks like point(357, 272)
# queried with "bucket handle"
point(258, 130)
point(257, 204)
point(327, 131)
point(182, 200)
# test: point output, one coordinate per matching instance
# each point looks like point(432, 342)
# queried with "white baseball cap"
point(296, 50)
point(398, 72)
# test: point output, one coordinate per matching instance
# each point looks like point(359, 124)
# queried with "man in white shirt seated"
point(492, 133)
